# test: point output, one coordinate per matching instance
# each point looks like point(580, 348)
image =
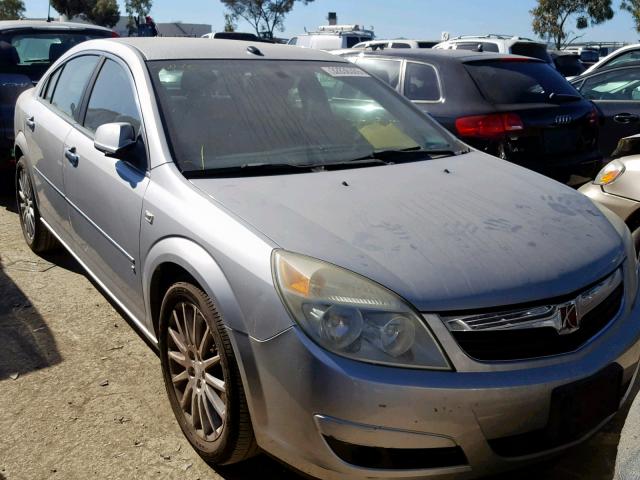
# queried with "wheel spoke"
point(194, 408)
point(208, 414)
point(186, 396)
point(179, 358)
point(214, 382)
point(178, 340)
point(216, 401)
point(201, 415)
point(205, 342)
point(186, 326)
point(180, 377)
point(210, 362)
point(194, 336)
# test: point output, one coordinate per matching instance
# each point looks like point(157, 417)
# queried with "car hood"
point(455, 233)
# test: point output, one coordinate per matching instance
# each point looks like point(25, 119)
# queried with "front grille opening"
point(397, 458)
point(497, 345)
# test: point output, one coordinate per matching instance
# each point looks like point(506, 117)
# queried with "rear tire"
point(38, 237)
point(202, 378)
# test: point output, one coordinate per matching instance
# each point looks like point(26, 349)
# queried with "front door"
point(617, 94)
point(105, 193)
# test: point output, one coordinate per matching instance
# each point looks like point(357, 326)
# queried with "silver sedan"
point(329, 276)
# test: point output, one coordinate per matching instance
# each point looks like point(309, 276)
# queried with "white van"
point(333, 37)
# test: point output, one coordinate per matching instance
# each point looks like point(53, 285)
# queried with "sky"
point(416, 19)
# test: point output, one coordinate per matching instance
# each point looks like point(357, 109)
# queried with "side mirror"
point(113, 139)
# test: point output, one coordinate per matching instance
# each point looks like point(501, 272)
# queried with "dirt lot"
point(81, 394)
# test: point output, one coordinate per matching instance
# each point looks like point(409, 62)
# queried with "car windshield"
point(31, 52)
point(222, 114)
point(512, 81)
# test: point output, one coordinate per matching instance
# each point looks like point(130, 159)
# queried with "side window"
point(618, 85)
point(421, 83)
point(112, 99)
point(386, 70)
point(400, 45)
point(293, 41)
point(631, 56)
point(490, 47)
point(47, 92)
point(72, 82)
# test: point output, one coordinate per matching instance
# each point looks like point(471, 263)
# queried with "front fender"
point(203, 268)
point(20, 143)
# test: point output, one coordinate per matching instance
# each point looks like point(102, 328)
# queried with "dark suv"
point(517, 108)
point(27, 50)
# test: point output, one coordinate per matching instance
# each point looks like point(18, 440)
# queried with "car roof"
point(461, 56)
point(43, 24)
point(165, 48)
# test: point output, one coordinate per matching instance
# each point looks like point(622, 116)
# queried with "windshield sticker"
point(345, 72)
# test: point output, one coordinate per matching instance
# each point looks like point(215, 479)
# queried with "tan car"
point(617, 185)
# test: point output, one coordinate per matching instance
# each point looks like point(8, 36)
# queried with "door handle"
point(626, 118)
point(72, 156)
point(30, 123)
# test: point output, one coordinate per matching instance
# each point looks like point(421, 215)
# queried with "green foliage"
point(633, 7)
point(72, 8)
point(229, 23)
point(265, 16)
point(105, 13)
point(11, 9)
point(552, 18)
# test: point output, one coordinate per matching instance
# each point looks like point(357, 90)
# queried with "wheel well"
point(163, 277)
point(633, 221)
point(17, 153)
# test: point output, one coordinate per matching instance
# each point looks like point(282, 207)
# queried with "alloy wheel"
point(196, 371)
point(26, 205)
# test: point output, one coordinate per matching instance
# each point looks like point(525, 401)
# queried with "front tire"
point(201, 377)
point(38, 238)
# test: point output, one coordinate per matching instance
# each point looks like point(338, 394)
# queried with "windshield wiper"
point(408, 154)
point(249, 169)
point(564, 97)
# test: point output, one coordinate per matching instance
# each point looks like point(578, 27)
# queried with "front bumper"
point(302, 399)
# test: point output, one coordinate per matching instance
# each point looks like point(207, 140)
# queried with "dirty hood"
point(455, 233)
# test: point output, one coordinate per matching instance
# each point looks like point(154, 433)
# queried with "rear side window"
point(51, 85)
point(631, 56)
point(531, 50)
point(400, 45)
point(421, 83)
point(622, 84)
point(512, 82)
point(569, 65)
point(72, 82)
point(351, 41)
point(386, 70)
point(427, 44)
point(112, 99)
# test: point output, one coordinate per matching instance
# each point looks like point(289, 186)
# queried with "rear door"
point(49, 122)
point(617, 95)
point(106, 193)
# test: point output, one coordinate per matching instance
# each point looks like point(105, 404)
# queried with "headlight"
point(352, 316)
point(609, 173)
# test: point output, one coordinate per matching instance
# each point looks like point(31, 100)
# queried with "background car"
point(27, 50)
point(626, 54)
point(568, 64)
point(333, 37)
point(617, 187)
point(498, 44)
point(398, 43)
point(615, 91)
point(519, 109)
point(326, 272)
point(588, 56)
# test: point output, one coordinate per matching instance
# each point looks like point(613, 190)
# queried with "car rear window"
point(31, 52)
point(532, 50)
point(569, 65)
point(515, 81)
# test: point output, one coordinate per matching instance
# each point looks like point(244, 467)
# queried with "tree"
point(137, 9)
point(105, 13)
point(633, 7)
point(72, 8)
point(229, 23)
point(265, 16)
point(551, 17)
point(11, 9)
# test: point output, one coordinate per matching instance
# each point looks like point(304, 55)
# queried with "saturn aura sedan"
point(329, 275)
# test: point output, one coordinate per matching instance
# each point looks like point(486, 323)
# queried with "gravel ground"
point(81, 394)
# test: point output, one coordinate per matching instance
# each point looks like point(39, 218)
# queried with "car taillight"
point(493, 125)
point(593, 117)
point(114, 34)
